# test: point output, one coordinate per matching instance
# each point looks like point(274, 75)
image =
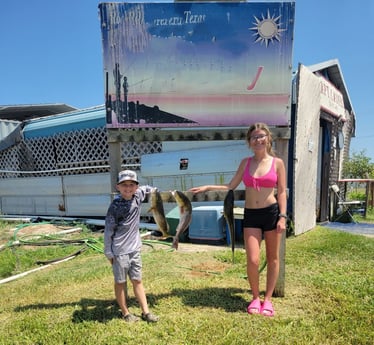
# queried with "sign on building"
point(197, 64)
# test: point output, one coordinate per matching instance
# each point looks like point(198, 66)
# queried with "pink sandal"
point(254, 307)
point(267, 309)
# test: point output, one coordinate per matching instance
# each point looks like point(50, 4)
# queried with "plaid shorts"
point(127, 265)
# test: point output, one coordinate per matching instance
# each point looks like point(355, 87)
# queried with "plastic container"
point(207, 225)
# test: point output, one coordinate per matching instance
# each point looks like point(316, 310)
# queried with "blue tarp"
point(72, 121)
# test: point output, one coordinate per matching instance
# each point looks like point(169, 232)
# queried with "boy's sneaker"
point(150, 317)
point(130, 318)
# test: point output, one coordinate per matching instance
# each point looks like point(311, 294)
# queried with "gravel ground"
point(366, 229)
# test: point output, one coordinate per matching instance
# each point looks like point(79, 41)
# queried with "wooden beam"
point(115, 165)
point(186, 134)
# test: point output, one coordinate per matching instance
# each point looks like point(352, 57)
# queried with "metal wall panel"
point(32, 196)
point(79, 195)
point(31, 206)
point(31, 186)
point(87, 195)
point(200, 161)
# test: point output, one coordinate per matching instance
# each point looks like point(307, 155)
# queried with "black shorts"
point(265, 218)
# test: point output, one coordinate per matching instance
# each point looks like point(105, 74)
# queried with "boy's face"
point(127, 189)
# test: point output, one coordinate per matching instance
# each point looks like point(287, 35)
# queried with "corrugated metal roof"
point(30, 111)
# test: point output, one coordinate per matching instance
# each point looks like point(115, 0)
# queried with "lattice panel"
point(82, 149)
point(132, 151)
point(43, 156)
point(75, 152)
point(13, 159)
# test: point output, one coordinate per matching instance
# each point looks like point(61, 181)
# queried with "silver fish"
point(157, 209)
point(228, 212)
point(185, 209)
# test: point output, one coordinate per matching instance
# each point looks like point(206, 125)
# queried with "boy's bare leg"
point(140, 295)
point(119, 291)
point(142, 299)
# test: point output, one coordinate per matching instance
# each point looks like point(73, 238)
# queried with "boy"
point(122, 243)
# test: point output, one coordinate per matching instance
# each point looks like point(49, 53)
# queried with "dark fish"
point(185, 210)
point(228, 212)
point(157, 208)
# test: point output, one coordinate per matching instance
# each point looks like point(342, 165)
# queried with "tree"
point(358, 166)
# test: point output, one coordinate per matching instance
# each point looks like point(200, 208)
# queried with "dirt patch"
point(184, 247)
point(191, 247)
point(208, 268)
point(17, 231)
point(41, 229)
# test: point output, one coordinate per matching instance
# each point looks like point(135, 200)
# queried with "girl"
point(264, 213)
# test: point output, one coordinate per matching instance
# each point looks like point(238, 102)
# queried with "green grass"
point(368, 219)
point(201, 297)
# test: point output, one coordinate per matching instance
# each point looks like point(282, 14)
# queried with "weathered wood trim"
point(183, 134)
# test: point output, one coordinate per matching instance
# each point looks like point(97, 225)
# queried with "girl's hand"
point(199, 189)
point(281, 225)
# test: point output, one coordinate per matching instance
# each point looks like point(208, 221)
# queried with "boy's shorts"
point(265, 219)
point(127, 264)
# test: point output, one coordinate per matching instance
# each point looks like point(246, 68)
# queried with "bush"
point(357, 195)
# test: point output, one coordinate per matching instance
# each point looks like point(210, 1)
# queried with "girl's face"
point(127, 189)
point(258, 140)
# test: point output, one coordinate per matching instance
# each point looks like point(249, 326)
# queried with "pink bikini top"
point(269, 180)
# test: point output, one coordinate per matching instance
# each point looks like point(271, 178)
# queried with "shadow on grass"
point(86, 309)
point(106, 310)
point(228, 299)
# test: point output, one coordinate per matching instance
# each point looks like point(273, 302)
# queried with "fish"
point(157, 209)
point(228, 212)
point(185, 210)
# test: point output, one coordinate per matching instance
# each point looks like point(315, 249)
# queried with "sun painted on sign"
point(267, 29)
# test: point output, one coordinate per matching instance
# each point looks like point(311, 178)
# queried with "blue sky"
point(51, 53)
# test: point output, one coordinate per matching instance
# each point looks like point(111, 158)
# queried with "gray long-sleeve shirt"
point(121, 235)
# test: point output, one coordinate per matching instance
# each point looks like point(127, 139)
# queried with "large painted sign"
point(196, 64)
